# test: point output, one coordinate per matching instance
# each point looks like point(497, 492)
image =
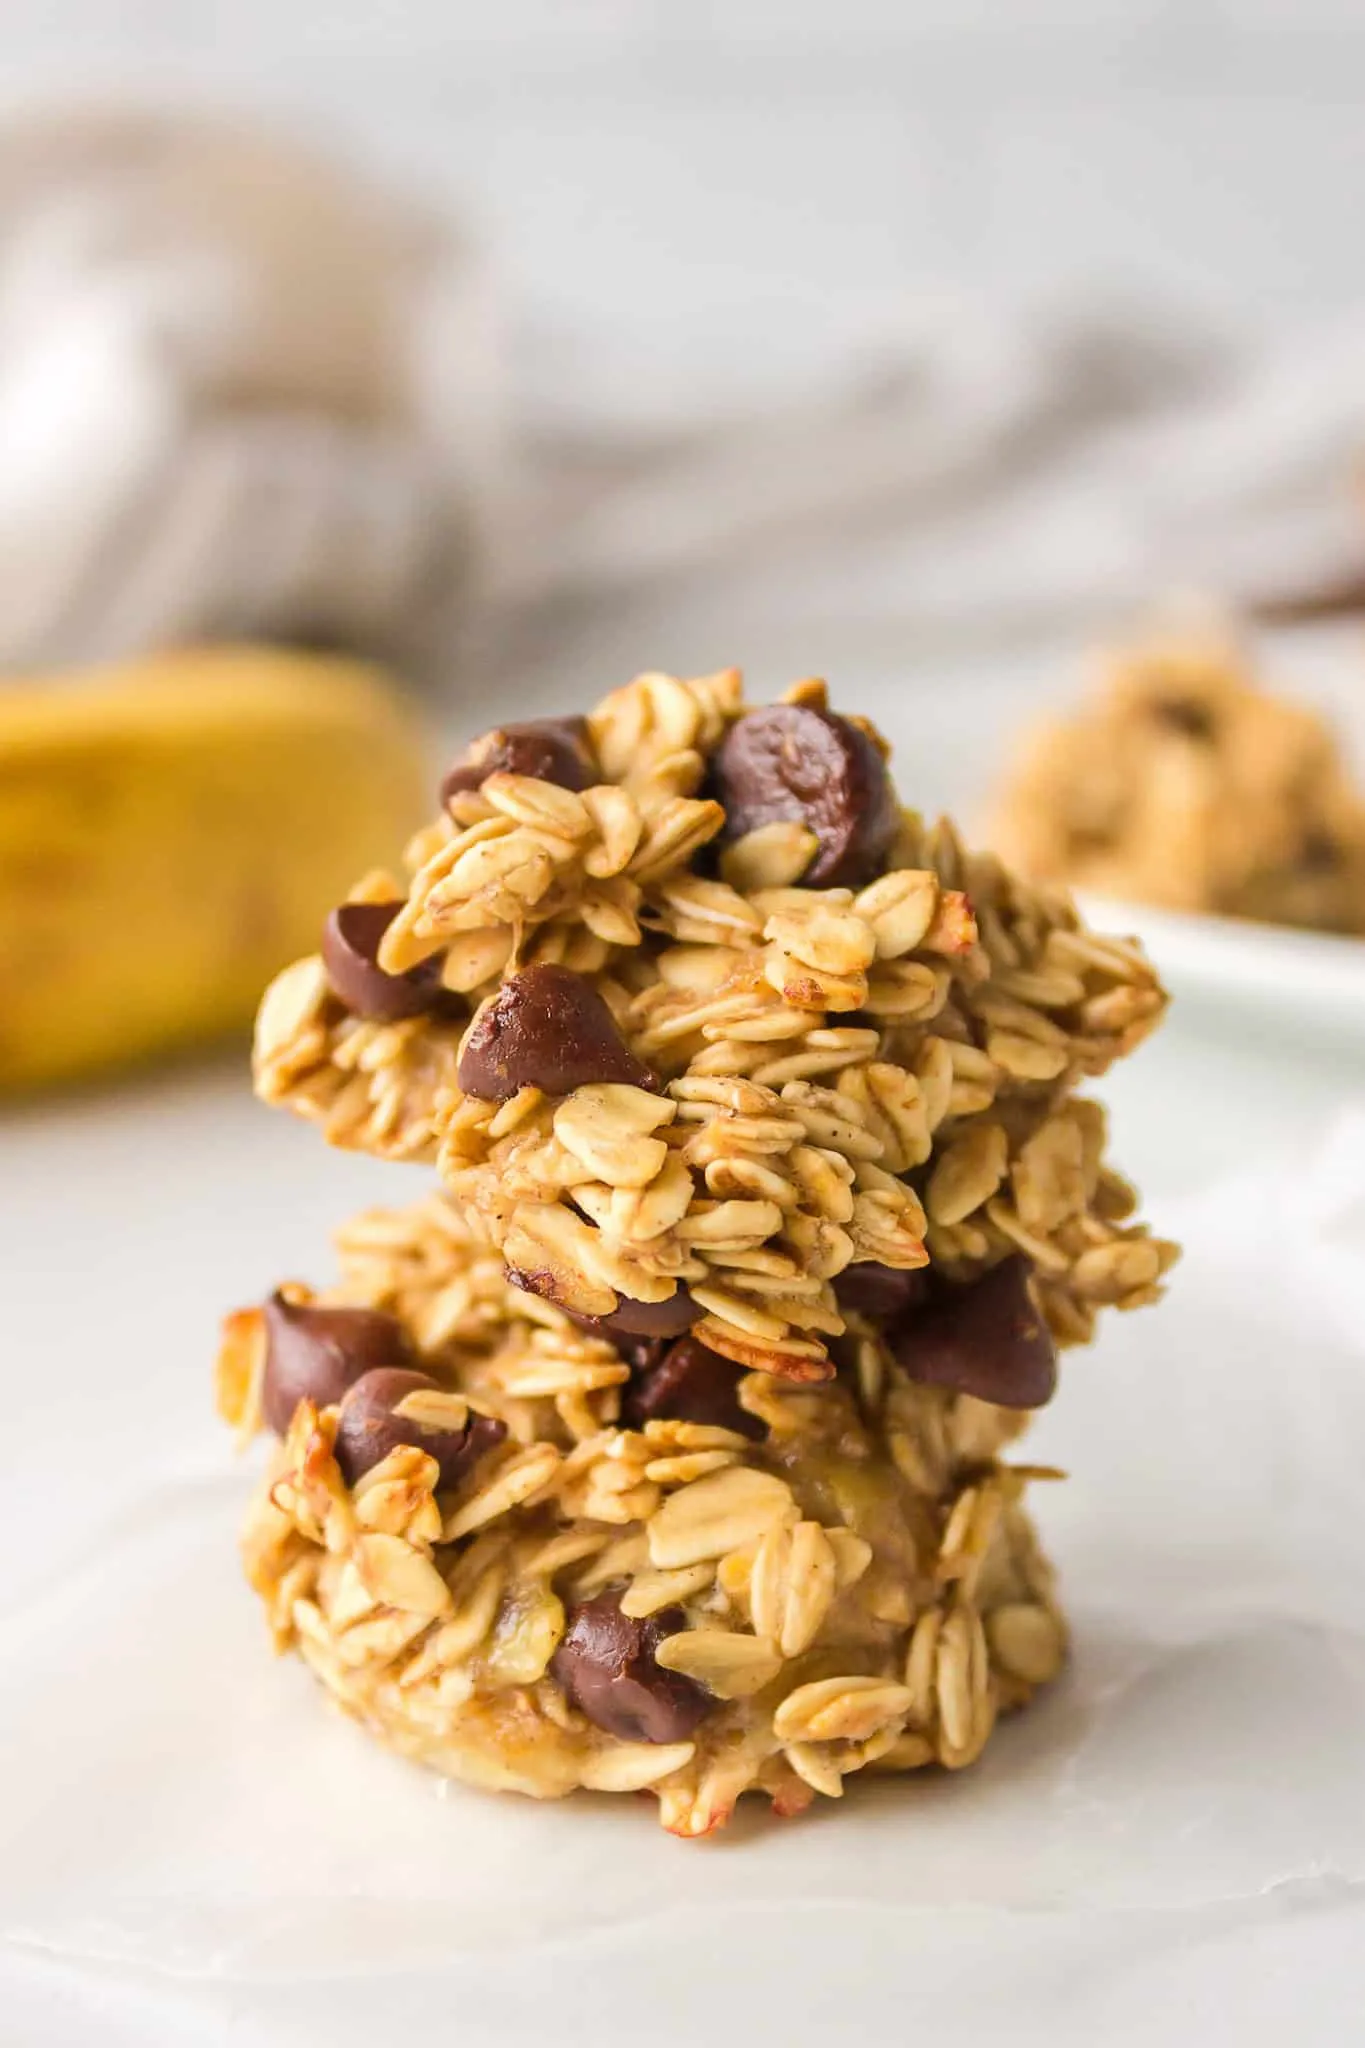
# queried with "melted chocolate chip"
point(316, 1354)
point(551, 749)
point(350, 944)
point(605, 1665)
point(985, 1339)
point(644, 1318)
point(546, 1028)
point(884, 1294)
point(368, 1429)
point(1321, 851)
point(1185, 715)
point(641, 1354)
point(791, 762)
point(689, 1383)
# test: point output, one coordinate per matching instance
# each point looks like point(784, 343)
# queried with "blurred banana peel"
point(171, 833)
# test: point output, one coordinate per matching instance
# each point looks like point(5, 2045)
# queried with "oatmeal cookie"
point(1185, 784)
point(539, 1557)
point(693, 1018)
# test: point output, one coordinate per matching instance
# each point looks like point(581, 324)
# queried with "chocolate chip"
point(551, 749)
point(985, 1339)
point(1321, 852)
point(316, 1354)
point(350, 943)
point(640, 1330)
point(605, 1665)
point(368, 1429)
point(1185, 715)
point(644, 1318)
point(689, 1383)
point(641, 1354)
point(792, 762)
point(884, 1294)
point(546, 1028)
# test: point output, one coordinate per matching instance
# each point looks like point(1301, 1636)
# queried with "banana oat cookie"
point(694, 1018)
point(1185, 784)
point(663, 1448)
point(537, 1557)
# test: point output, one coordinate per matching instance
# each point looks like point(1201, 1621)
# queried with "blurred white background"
point(701, 206)
point(775, 171)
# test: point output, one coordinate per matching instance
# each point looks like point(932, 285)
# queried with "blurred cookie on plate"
point(1184, 782)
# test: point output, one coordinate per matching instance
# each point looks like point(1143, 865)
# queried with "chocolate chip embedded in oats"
point(369, 1426)
point(985, 1339)
point(792, 762)
point(350, 944)
point(884, 1294)
point(645, 1318)
point(316, 1354)
point(605, 1666)
point(689, 1383)
point(1187, 715)
point(653, 1318)
point(640, 1330)
point(550, 749)
point(1321, 852)
point(546, 1028)
point(641, 1354)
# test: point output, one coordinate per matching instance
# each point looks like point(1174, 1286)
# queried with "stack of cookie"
point(662, 1446)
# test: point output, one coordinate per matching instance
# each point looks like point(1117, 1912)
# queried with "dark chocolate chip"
point(1185, 715)
point(368, 1429)
point(1321, 851)
point(884, 1294)
point(350, 942)
point(791, 762)
point(551, 749)
point(630, 1325)
point(644, 1318)
point(690, 1383)
point(985, 1339)
point(605, 1665)
point(641, 1354)
point(316, 1354)
point(546, 1028)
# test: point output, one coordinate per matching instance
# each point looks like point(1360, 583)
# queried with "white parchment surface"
point(177, 1803)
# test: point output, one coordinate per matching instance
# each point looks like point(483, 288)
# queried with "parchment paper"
point(178, 1803)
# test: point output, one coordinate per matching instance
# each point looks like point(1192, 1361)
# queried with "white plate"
point(1308, 981)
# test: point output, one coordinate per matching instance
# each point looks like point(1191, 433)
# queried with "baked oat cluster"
point(693, 1015)
point(662, 1446)
point(1185, 784)
point(537, 1558)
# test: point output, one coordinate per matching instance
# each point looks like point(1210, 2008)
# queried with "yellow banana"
point(171, 833)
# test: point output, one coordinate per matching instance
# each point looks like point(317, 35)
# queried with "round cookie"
point(1185, 784)
point(695, 1018)
point(538, 1557)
